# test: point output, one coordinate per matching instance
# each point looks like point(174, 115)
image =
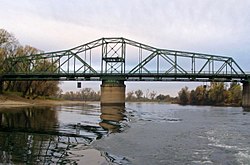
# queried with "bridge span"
point(115, 60)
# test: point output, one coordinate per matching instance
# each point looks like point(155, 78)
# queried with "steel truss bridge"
point(120, 59)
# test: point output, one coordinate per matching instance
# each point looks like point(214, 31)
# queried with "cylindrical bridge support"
point(246, 95)
point(113, 93)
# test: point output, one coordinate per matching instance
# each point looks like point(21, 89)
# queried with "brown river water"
point(137, 134)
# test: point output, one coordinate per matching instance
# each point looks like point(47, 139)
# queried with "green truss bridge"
point(115, 60)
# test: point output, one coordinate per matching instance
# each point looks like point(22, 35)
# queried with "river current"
point(138, 134)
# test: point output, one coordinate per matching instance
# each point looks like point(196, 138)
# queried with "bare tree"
point(138, 94)
point(152, 95)
point(130, 95)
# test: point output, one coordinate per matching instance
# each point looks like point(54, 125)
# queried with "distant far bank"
point(13, 100)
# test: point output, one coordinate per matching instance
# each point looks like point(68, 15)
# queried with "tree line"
point(218, 93)
point(88, 94)
point(85, 94)
point(139, 95)
point(9, 48)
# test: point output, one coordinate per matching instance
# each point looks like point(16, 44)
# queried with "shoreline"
point(15, 104)
point(12, 101)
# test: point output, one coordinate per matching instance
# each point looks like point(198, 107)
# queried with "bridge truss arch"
point(122, 59)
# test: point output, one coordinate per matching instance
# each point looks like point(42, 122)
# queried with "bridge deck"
point(127, 77)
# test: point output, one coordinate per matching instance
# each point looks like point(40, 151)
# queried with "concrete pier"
point(246, 95)
point(113, 93)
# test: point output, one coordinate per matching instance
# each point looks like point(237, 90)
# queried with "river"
point(140, 134)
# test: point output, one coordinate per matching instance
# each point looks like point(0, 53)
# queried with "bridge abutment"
point(113, 93)
point(246, 95)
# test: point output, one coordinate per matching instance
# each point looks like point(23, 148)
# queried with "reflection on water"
point(246, 109)
point(28, 119)
point(112, 116)
point(46, 135)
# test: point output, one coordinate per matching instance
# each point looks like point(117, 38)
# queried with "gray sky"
point(215, 27)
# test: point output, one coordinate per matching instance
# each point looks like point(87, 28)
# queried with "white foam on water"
point(241, 153)
point(223, 146)
point(217, 141)
point(203, 162)
point(202, 156)
point(243, 157)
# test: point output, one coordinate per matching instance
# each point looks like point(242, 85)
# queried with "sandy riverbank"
point(11, 101)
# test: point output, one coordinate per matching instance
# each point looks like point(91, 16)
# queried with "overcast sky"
point(215, 27)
